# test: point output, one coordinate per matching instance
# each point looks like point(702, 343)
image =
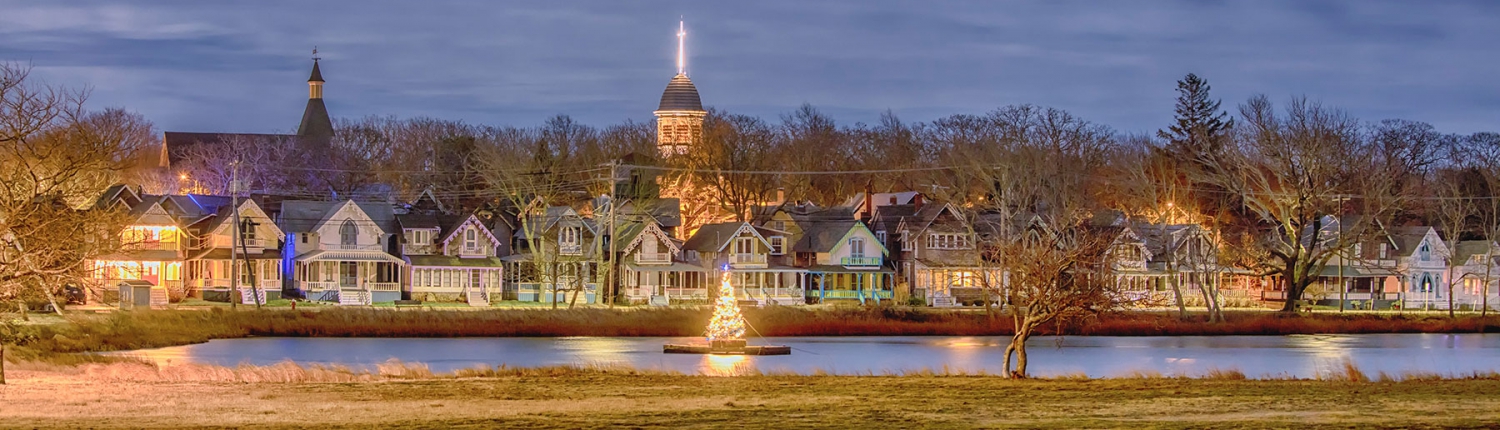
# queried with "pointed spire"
point(317, 76)
point(681, 56)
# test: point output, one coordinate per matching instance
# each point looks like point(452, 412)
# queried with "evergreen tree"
point(1201, 126)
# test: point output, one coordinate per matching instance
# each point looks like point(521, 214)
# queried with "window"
point(304, 238)
point(1425, 251)
point(1383, 249)
point(778, 245)
point(471, 240)
point(744, 245)
point(569, 236)
point(348, 234)
point(247, 230)
point(857, 247)
point(1473, 286)
point(905, 244)
point(880, 236)
point(948, 241)
point(778, 225)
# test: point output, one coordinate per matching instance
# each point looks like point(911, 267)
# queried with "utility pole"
point(609, 273)
point(245, 247)
point(234, 234)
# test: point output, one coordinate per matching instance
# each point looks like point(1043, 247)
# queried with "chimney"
point(917, 201)
point(869, 203)
point(780, 195)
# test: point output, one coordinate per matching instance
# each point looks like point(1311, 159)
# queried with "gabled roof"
point(716, 237)
point(1408, 239)
point(1467, 249)
point(178, 143)
point(637, 232)
point(303, 216)
point(452, 224)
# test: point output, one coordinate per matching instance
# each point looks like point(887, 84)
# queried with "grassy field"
point(581, 398)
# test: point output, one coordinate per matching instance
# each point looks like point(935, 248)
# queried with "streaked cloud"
point(239, 66)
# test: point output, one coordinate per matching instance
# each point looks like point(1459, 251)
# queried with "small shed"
point(135, 294)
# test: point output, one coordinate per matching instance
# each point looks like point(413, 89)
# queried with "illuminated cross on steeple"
point(681, 58)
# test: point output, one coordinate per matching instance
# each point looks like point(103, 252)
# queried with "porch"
point(773, 285)
point(365, 281)
point(677, 283)
point(828, 283)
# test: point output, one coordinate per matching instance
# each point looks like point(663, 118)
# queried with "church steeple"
point(315, 121)
point(679, 117)
point(315, 82)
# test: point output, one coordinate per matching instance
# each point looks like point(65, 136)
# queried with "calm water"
point(1256, 356)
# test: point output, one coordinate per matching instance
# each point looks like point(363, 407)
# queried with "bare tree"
point(1296, 174)
point(55, 159)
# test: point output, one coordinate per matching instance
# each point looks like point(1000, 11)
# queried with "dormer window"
point(471, 241)
point(568, 240)
point(348, 233)
point(247, 231)
point(880, 236)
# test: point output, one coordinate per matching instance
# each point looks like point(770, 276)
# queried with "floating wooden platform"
point(741, 350)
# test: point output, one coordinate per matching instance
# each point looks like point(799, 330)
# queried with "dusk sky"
point(241, 66)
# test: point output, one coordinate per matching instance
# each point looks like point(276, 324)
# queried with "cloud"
point(239, 66)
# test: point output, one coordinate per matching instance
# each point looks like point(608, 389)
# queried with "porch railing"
point(383, 286)
point(320, 285)
point(861, 261)
point(654, 258)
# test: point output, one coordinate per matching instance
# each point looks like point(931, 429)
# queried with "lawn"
point(584, 399)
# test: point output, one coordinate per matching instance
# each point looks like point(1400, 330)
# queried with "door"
point(476, 280)
point(151, 272)
point(348, 274)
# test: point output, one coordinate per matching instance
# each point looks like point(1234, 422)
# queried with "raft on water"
point(727, 347)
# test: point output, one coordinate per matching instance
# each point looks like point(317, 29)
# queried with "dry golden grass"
point(599, 398)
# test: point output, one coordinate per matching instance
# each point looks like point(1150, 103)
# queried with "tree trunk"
point(1177, 293)
point(55, 308)
point(2, 363)
point(1209, 303)
point(1293, 296)
point(22, 306)
point(1021, 357)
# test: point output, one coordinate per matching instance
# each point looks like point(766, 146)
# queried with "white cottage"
point(338, 251)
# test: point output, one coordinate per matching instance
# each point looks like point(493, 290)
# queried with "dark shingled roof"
point(179, 143)
point(315, 121)
point(681, 95)
point(317, 75)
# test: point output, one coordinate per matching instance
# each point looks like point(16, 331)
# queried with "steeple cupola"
point(679, 117)
point(316, 124)
point(315, 82)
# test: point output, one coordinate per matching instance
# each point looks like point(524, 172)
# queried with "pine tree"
point(1201, 126)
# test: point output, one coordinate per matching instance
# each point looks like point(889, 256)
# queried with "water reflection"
point(726, 365)
point(1256, 356)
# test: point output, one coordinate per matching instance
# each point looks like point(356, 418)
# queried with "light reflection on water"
point(1256, 356)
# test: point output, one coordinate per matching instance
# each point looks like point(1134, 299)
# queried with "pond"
point(1302, 356)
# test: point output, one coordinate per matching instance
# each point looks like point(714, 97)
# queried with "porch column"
point(874, 291)
point(822, 287)
point(859, 289)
